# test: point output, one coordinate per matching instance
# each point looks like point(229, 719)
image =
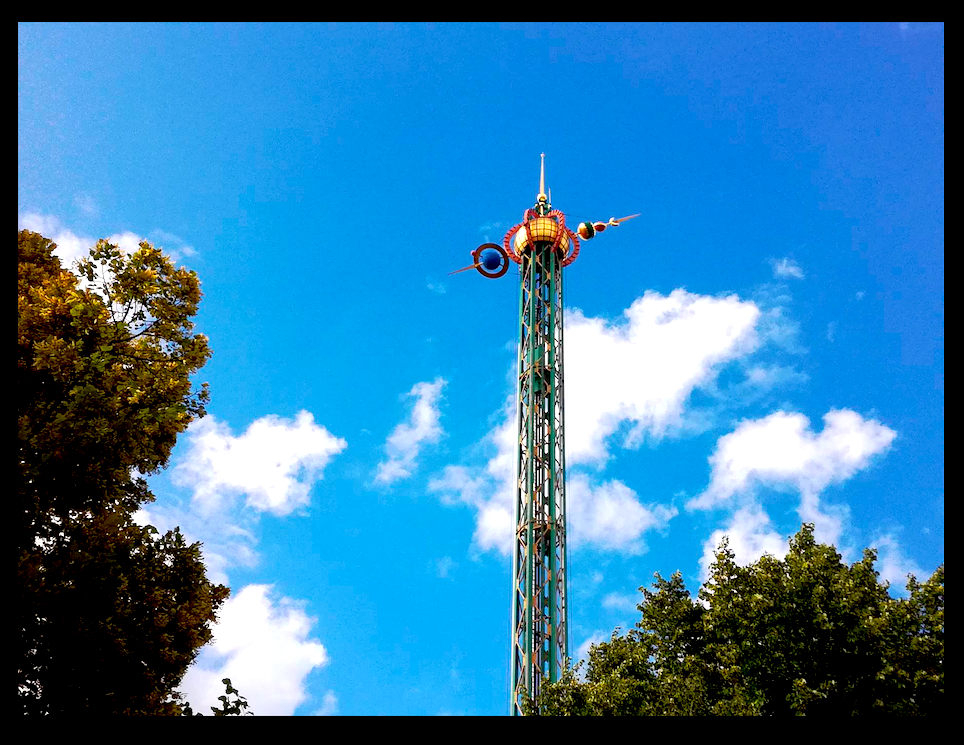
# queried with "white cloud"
point(831, 331)
point(70, 246)
point(768, 377)
point(894, 565)
point(781, 449)
point(457, 485)
point(405, 443)
point(781, 330)
point(224, 542)
point(750, 534)
point(608, 517)
point(444, 566)
point(611, 516)
point(126, 241)
point(785, 267)
point(492, 231)
point(620, 602)
point(490, 491)
point(494, 528)
point(329, 705)
point(143, 518)
point(86, 204)
point(275, 463)
point(172, 244)
point(263, 645)
point(641, 371)
point(493, 505)
point(782, 452)
point(597, 637)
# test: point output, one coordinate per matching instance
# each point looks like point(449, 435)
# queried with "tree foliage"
point(111, 612)
point(230, 707)
point(807, 634)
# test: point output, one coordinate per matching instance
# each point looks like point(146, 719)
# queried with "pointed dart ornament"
point(587, 230)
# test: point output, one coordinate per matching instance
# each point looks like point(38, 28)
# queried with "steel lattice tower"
point(542, 246)
point(540, 609)
point(539, 578)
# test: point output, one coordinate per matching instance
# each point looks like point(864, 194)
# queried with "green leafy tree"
point(111, 613)
point(807, 634)
point(230, 707)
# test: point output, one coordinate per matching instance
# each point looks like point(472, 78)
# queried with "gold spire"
point(541, 196)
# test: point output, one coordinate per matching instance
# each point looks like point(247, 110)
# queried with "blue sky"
point(765, 344)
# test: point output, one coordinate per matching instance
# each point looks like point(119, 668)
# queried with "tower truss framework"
point(542, 246)
point(540, 622)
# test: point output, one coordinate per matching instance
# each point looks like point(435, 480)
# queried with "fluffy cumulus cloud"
point(405, 443)
point(263, 644)
point(274, 464)
point(225, 542)
point(611, 516)
point(750, 535)
point(632, 376)
point(70, 246)
point(786, 268)
point(894, 565)
point(126, 241)
point(488, 490)
point(768, 377)
point(616, 601)
point(640, 370)
point(494, 518)
point(329, 705)
point(781, 451)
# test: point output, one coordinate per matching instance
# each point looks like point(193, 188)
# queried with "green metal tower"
point(540, 609)
point(542, 246)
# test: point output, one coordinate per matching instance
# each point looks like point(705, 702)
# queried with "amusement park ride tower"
point(542, 246)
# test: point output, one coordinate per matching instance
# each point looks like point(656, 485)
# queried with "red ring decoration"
point(531, 213)
point(477, 253)
point(575, 248)
point(562, 228)
point(507, 243)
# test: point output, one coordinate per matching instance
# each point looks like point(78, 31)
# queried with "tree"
point(807, 634)
point(230, 707)
point(111, 612)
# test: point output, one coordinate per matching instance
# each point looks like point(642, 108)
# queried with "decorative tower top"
point(540, 225)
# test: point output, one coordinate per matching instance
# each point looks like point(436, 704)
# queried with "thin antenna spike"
point(476, 265)
point(542, 175)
